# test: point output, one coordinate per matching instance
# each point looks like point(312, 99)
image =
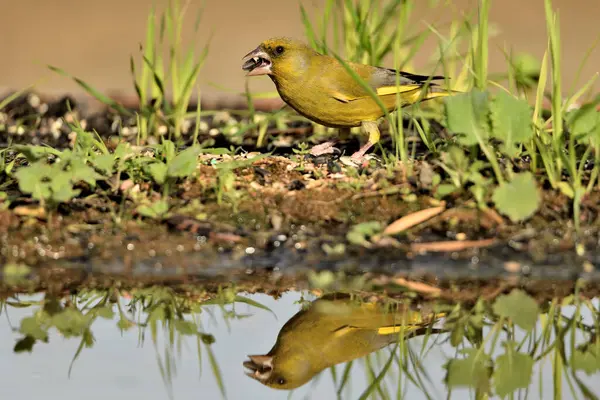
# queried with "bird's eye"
point(279, 49)
point(281, 381)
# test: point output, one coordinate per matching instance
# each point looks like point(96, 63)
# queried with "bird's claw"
point(323, 148)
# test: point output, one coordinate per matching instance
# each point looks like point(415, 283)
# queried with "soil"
point(286, 212)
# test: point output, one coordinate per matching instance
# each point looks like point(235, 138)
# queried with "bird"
point(334, 329)
point(320, 88)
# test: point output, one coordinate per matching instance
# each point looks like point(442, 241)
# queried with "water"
point(133, 363)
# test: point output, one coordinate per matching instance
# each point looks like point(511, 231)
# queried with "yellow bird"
point(333, 330)
point(319, 87)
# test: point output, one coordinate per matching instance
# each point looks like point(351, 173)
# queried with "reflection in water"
point(333, 330)
point(512, 345)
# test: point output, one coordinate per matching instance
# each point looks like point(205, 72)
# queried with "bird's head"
point(288, 371)
point(277, 56)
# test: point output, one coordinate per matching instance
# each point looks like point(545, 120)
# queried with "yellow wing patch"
point(386, 90)
point(382, 91)
point(342, 97)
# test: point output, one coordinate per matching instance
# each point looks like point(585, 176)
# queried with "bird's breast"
point(313, 100)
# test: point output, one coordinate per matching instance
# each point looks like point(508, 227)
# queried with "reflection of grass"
point(496, 344)
point(159, 311)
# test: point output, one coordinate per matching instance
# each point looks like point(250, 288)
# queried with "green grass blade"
point(93, 92)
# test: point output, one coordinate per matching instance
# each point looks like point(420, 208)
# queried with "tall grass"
point(165, 74)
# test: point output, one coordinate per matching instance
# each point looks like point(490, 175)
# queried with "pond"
point(164, 341)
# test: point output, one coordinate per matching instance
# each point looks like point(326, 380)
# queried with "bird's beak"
point(257, 62)
point(260, 367)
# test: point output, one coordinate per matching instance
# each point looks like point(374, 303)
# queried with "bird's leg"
point(371, 128)
point(328, 147)
point(344, 134)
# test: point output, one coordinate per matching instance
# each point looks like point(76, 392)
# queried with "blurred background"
point(94, 39)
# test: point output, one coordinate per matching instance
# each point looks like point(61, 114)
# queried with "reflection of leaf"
point(15, 271)
point(472, 371)
point(360, 233)
point(185, 327)
point(519, 307)
point(253, 303)
point(71, 322)
point(105, 312)
point(24, 344)
point(154, 210)
point(124, 324)
point(215, 368)
point(519, 198)
point(30, 326)
point(587, 360)
point(513, 371)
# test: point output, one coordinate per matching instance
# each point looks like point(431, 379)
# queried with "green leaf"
point(168, 150)
point(511, 121)
point(467, 115)
point(518, 199)
point(35, 180)
point(34, 153)
point(184, 164)
point(80, 171)
point(473, 371)
point(583, 120)
point(519, 307)
point(444, 190)
point(513, 371)
point(105, 163)
point(158, 172)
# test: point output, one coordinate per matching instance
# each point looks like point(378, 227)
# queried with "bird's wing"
point(384, 81)
point(389, 81)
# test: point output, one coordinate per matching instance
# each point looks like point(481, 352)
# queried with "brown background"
point(94, 39)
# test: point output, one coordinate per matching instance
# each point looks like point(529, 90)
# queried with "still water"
point(153, 360)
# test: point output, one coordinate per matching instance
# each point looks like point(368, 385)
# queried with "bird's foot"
point(324, 148)
point(359, 157)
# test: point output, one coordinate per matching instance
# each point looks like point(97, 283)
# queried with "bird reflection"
point(335, 329)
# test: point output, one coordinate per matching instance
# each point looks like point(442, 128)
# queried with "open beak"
point(257, 62)
point(259, 367)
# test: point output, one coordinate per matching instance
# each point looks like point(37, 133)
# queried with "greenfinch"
point(333, 330)
point(318, 87)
